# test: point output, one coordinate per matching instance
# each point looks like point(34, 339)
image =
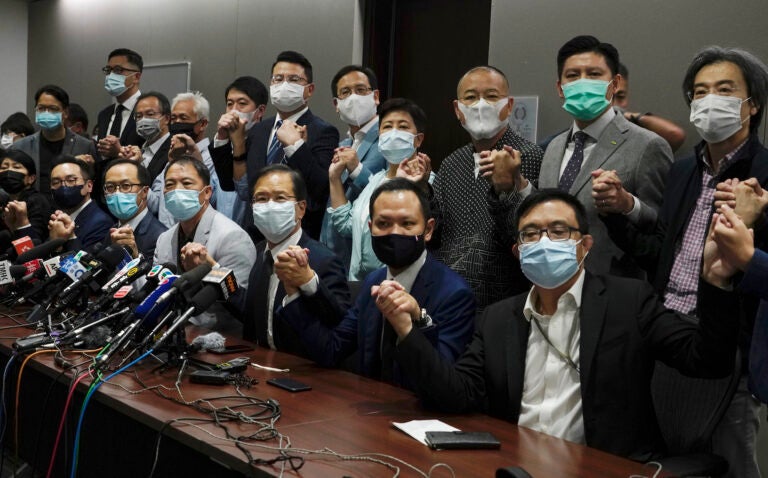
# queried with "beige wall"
point(13, 57)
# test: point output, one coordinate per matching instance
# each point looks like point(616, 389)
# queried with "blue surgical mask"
point(122, 205)
point(585, 99)
point(115, 84)
point(397, 145)
point(183, 204)
point(48, 120)
point(275, 220)
point(549, 264)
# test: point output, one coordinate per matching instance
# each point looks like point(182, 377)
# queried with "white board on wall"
point(167, 78)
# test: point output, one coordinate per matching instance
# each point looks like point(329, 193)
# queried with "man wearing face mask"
point(126, 187)
point(413, 286)
point(153, 113)
point(574, 356)
point(15, 127)
point(356, 96)
point(116, 125)
point(189, 116)
point(53, 139)
point(77, 217)
point(202, 235)
point(295, 137)
point(479, 187)
point(602, 139)
point(28, 210)
point(727, 89)
point(246, 99)
point(290, 265)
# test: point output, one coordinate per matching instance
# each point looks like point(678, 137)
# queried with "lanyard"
point(563, 356)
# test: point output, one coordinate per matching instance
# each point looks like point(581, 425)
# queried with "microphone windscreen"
point(111, 256)
point(18, 271)
point(39, 252)
point(212, 341)
point(96, 337)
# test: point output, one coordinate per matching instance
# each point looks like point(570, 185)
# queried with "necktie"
point(117, 123)
point(258, 327)
point(574, 164)
point(388, 340)
point(275, 152)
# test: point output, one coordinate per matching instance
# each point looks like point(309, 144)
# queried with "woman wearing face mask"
point(27, 208)
point(401, 132)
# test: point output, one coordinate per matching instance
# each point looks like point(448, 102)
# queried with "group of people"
point(536, 285)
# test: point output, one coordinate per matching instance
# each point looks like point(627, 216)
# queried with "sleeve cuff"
point(218, 143)
point(290, 149)
point(634, 214)
point(356, 172)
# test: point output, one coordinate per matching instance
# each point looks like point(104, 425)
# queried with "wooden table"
point(346, 413)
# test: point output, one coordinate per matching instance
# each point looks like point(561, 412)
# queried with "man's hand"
point(181, 145)
point(415, 170)
point(15, 215)
point(725, 193)
point(396, 305)
point(292, 268)
point(87, 158)
point(751, 200)
point(61, 226)
point(503, 168)
point(344, 157)
point(609, 194)
point(718, 266)
point(229, 125)
point(109, 147)
point(124, 237)
point(131, 152)
point(290, 132)
point(734, 239)
point(194, 254)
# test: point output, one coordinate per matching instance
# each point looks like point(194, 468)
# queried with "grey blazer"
point(74, 145)
point(641, 159)
point(229, 245)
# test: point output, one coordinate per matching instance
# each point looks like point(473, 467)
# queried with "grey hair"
point(202, 107)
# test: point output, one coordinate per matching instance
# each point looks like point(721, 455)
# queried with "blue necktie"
point(275, 152)
point(574, 164)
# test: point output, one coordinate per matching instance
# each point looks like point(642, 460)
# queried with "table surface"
point(346, 413)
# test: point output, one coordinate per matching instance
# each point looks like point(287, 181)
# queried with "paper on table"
point(418, 429)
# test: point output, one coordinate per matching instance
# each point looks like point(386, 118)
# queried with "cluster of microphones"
point(102, 298)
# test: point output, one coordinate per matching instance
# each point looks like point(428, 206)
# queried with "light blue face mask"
point(115, 84)
point(122, 205)
point(397, 145)
point(48, 120)
point(274, 219)
point(585, 99)
point(549, 264)
point(183, 204)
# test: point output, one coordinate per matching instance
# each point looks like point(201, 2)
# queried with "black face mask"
point(68, 197)
point(398, 250)
point(12, 181)
point(182, 128)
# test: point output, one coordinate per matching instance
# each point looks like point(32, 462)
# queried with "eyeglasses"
point(147, 114)
point(555, 234)
point(265, 199)
point(358, 90)
point(120, 70)
point(720, 90)
point(290, 79)
point(48, 108)
point(69, 181)
point(126, 187)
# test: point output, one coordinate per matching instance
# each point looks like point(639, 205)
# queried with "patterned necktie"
point(275, 152)
point(574, 164)
point(117, 123)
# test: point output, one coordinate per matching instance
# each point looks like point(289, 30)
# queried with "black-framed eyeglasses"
point(265, 199)
point(290, 79)
point(126, 187)
point(554, 233)
point(117, 69)
point(358, 90)
point(69, 182)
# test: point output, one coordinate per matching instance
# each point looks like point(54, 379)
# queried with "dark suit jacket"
point(443, 293)
point(92, 225)
point(159, 160)
point(624, 330)
point(331, 300)
point(39, 212)
point(145, 234)
point(312, 160)
point(754, 282)
point(129, 136)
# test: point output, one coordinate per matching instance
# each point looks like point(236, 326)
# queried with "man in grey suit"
point(202, 235)
point(601, 140)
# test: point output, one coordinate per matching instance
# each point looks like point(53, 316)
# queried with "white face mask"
point(6, 141)
point(287, 96)
point(275, 220)
point(717, 117)
point(481, 120)
point(247, 117)
point(356, 110)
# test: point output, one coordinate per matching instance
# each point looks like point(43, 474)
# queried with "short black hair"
point(299, 185)
point(131, 55)
point(77, 113)
point(349, 69)
point(141, 171)
point(55, 91)
point(18, 123)
point(586, 44)
point(407, 106)
point(290, 56)
point(252, 87)
point(85, 169)
point(552, 194)
point(165, 105)
point(201, 169)
point(752, 68)
point(22, 158)
point(402, 184)
point(624, 71)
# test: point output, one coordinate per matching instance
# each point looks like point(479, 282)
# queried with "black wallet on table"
point(462, 441)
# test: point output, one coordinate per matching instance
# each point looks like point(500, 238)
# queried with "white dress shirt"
point(291, 240)
point(128, 105)
point(148, 150)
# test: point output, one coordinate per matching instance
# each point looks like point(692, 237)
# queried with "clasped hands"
point(396, 305)
point(292, 268)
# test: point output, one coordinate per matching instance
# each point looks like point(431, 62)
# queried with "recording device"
point(231, 349)
point(210, 377)
point(289, 384)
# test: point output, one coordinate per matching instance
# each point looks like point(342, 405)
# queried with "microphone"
point(201, 301)
point(42, 251)
point(187, 283)
point(110, 258)
point(223, 279)
point(154, 277)
point(127, 277)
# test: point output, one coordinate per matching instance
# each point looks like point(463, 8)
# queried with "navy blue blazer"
point(92, 225)
point(145, 234)
point(330, 302)
point(754, 282)
point(443, 293)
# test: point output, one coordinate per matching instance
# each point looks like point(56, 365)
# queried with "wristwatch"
point(424, 319)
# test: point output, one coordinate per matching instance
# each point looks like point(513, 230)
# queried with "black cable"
point(42, 417)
